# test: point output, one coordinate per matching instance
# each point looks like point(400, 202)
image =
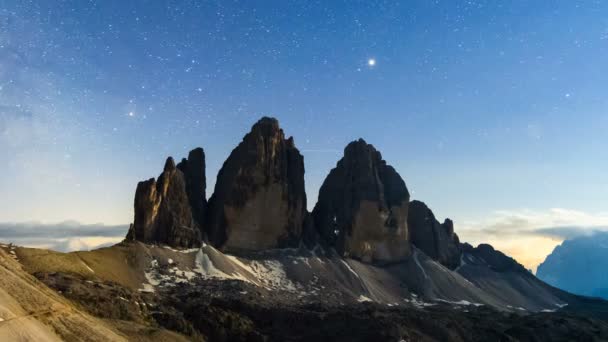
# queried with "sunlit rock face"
point(163, 212)
point(436, 240)
point(259, 200)
point(363, 207)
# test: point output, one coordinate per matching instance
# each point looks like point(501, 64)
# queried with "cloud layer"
point(529, 236)
point(64, 236)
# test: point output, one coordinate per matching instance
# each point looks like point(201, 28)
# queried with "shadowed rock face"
point(436, 240)
point(496, 260)
point(259, 200)
point(162, 211)
point(193, 169)
point(363, 206)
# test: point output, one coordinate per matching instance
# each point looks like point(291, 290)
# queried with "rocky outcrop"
point(163, 211)
point(259, 200)
point(436, 240)
point(495, 260)
point(363, 207)
point(193, 169)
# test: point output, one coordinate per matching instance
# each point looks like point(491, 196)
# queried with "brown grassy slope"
point(31, 311)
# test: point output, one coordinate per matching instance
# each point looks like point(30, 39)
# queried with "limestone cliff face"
point(436, 240)
point(193, 169)
point(163, 212)
point(363, 207)
point(259, 200)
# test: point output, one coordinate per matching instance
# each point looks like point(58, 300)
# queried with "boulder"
point(363, 206)
point(162, 211)
point(436, 240)
point(259, 201)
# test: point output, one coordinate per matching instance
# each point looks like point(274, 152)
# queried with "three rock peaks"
point(259, 203)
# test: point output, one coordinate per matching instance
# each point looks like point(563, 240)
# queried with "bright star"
point(131, 114)
point(371, 62)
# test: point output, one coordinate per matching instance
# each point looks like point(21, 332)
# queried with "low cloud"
point(529, 236)
point(567, 232)
point(64, 236)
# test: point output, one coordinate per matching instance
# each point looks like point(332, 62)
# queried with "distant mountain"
point(579, 265)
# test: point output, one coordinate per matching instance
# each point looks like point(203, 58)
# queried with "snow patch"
point(269, 274)
point(349, 268)
point(419, 265)
point(418, 303)
point(462, 263)
point(460, 302)
point(363, 298)
point(185, 251)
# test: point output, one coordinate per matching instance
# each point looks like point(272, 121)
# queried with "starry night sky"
point(485, 108)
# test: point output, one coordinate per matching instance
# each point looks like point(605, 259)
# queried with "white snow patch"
point(460, 302)
point(418, 303)
point(269, 274)
point(185, 251)
point(462, 263)
point(561, 305)
point(272, 274)
point(155, 278)
point(182, 276)
point(363, 298)
point(547, 310)
point(151, 278)
point(205, 267)
point(349, 268)
point(419, 265)
point(147, 288)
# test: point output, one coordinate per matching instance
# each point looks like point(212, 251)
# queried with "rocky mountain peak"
point(362, 207)
point(193, 169)
point(259, 200)
point(436, 240)
point(494, 259)
point(164, 212)
point(169, 165)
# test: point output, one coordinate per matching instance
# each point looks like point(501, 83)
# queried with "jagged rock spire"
point(436, 240)
point(166, 211)
point(259, 200)
point(363, 206)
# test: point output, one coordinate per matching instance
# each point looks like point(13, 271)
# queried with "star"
point(371, 62)
point(131, 114)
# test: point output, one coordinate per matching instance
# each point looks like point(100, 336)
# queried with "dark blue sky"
point(481, 106)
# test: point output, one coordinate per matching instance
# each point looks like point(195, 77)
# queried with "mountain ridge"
point(252, 264)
